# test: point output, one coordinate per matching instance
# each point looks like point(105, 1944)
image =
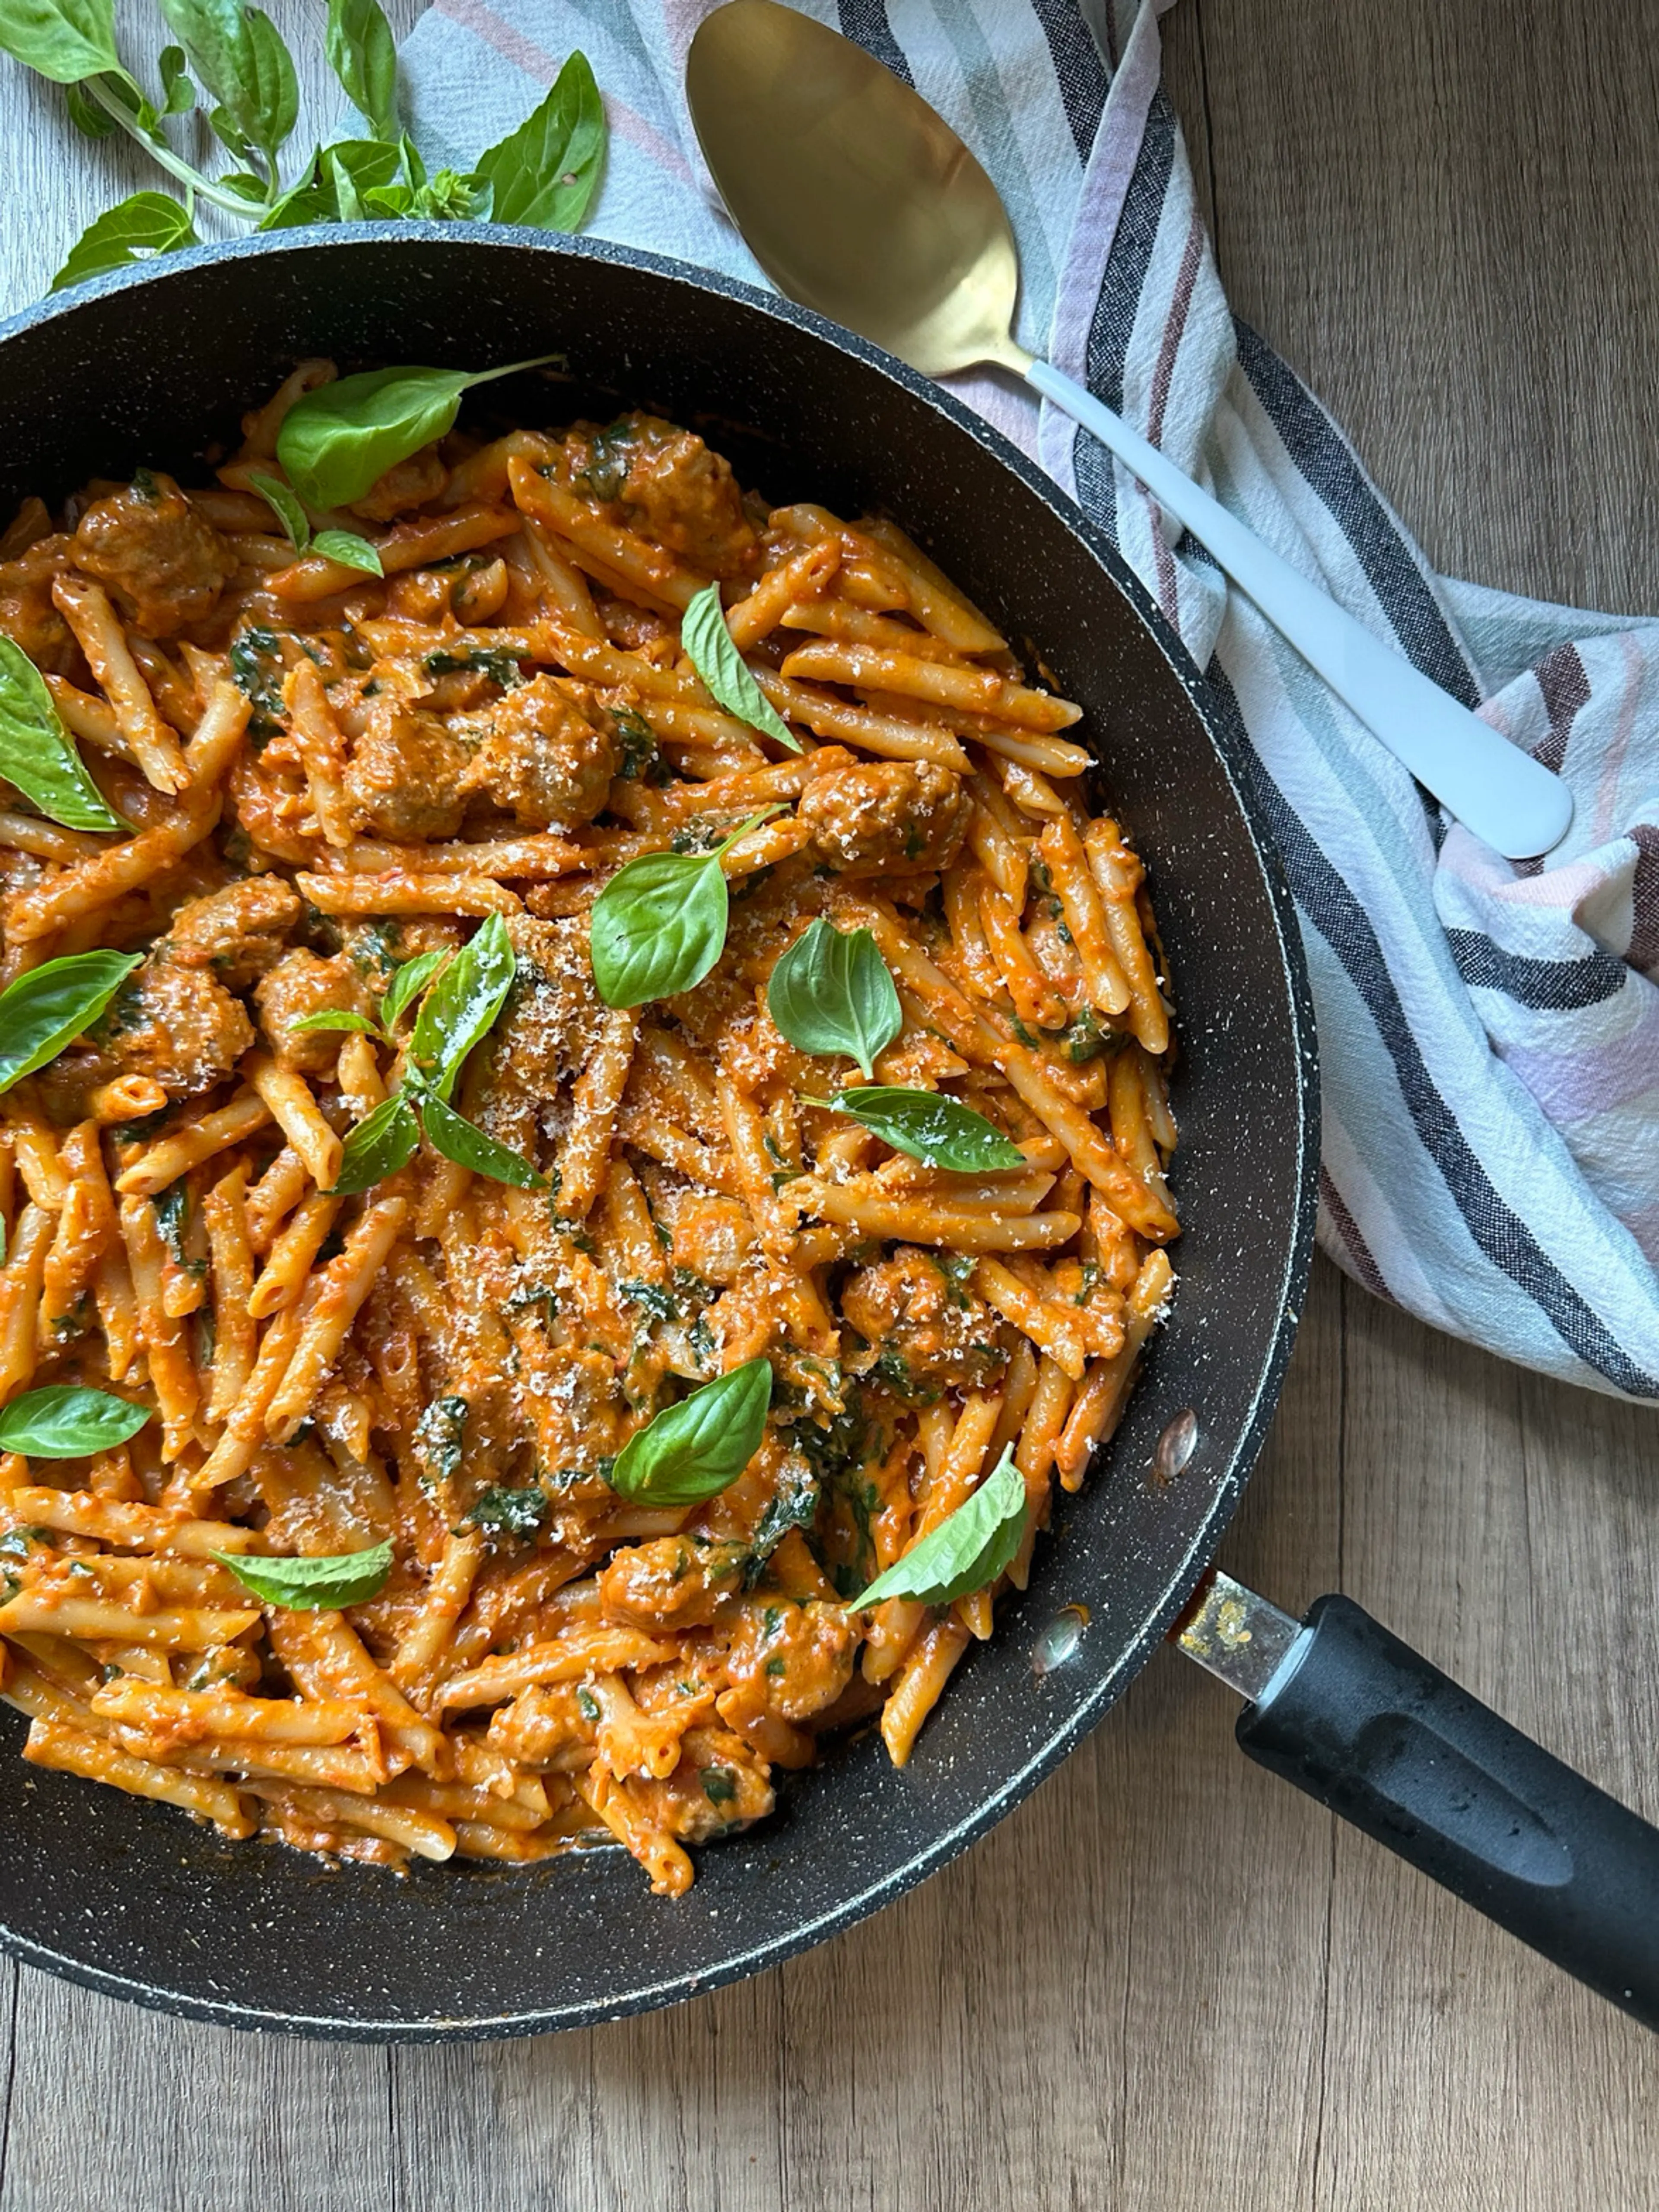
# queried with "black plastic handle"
point(1360, 1721)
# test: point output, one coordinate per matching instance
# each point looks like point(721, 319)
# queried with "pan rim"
point(1232, 752)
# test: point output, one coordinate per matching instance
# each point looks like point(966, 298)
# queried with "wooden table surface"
point(1168, 1980)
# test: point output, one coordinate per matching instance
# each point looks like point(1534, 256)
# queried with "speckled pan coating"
point(153, 364)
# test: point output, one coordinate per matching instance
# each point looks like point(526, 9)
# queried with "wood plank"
point(112, 2109)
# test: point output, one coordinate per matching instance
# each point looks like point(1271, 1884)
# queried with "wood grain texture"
point(1167, 1980)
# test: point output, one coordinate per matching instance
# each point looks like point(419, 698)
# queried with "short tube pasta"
point(400, 1235)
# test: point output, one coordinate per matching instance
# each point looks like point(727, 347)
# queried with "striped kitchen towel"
point(1490, 1034)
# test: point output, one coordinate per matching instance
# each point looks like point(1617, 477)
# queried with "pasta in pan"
point(623, 1106)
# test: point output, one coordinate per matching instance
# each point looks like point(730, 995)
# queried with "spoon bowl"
point(859, 200)
point(856, 198)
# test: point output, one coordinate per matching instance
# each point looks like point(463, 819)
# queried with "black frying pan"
point(154, 365)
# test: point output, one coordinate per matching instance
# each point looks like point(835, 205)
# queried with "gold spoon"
point(857, 199)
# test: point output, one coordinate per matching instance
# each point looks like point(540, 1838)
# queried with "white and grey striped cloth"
point(1490, 1034)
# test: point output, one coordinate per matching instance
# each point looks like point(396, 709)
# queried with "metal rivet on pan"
point(1175, 1446)
point(1060, 1639)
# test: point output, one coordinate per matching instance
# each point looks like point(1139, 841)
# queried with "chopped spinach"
point(494, 662)
point(720, 1784)
point(503, 1512)
point(892, 1369)
point(794, 1504)
point(641, 757)
point(439, 1435)
point(653, 1298)
point(256, 668)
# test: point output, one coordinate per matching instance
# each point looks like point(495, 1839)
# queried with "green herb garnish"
point(49, 1006)
point(313, 1585)
point(724, 670)
point(62, 1422)
point(966, 1551)
point(696, 1449)
point(831, 993)
point(659, 925)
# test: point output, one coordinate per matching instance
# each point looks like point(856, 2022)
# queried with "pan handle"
point(1367, 1726)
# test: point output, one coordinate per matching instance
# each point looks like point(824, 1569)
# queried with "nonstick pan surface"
point(154, 365)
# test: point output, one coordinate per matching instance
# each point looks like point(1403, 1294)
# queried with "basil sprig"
point(63, 1422)
point(313, 1585)
point(49, 1006)
point(938, 1131)
point(966, 1552)
point(545, 172)
point(724, 670)
point(699, 1447)
point(342, 438)
point(460, 1007)
point(342, 545)
point(659, 925)
point(35, 752)
point(831, 993)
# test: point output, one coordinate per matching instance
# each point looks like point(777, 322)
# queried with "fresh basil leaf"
point(657, 926)
point(349, 549)
point(62, 1422)
point(660, 924)
point(461, 1006)
point(831, 993)
point(66, 41)
point(696, 1449)
point(407, 984)
point(395, 200)
point(968, 1551)
point(284, 506)
point(240, 57)
point(464, 1142)
point(709, 648)
point(363, 55)
point(49, 1006)
point(91, 121)
point(382, 1142)
point(35, 752)
point(146, 222)
point(339, 440)
point(313, 1585)
point(547, 171)
point(178, 93)
point(334, 1018)
point(938, 1131)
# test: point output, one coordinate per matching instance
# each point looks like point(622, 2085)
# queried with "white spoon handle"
point(1508, 800)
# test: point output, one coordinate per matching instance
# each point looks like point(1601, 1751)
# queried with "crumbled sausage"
point(544, 753)
point(403, 780)
point(884, 816)
point(28, 614)
point(673, 490)
point(927, 1329)
point(165, 565)
point(405, 484)
point(301, 983)
point(674, 1583)
point(236, 931)
point(550, 1023)
point(800, 1657)
point(177, 1026)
